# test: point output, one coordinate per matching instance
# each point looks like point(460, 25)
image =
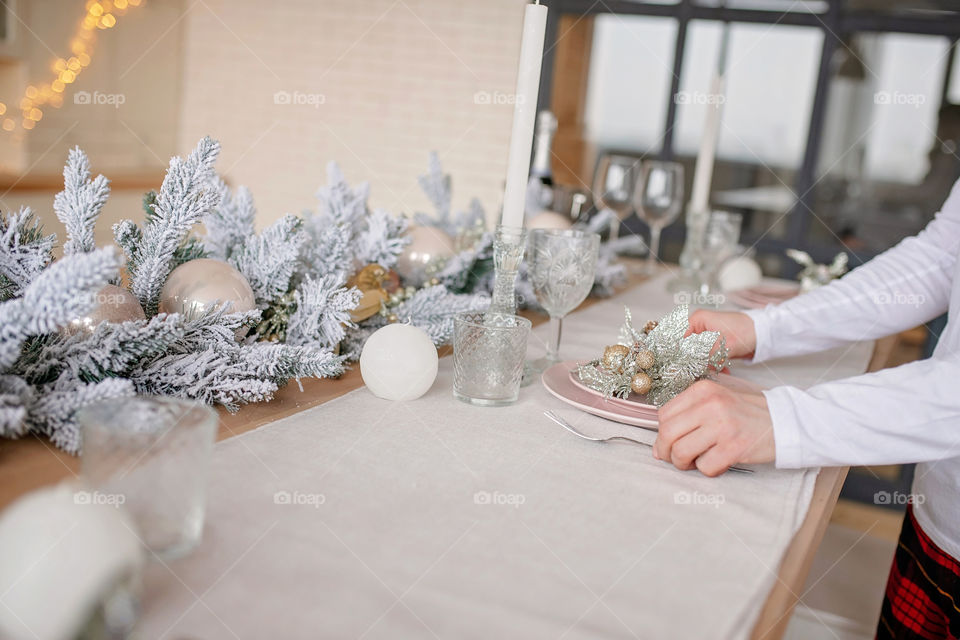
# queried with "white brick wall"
point(398, 78)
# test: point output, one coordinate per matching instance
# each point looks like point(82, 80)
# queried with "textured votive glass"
point(151, 455)
point(488, 354)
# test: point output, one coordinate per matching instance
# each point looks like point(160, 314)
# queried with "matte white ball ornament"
point(399, 362)
point(550, 220)
point(66, 553)
point(740, 273)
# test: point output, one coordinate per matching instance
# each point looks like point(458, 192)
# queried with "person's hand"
point(736, 328)
point(712, 427)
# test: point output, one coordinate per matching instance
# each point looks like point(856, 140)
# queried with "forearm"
point(906, 414)
point(899, 289)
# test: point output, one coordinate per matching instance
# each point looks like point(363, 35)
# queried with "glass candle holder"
point(488, 354)
point(152, 454)
point(509, 244)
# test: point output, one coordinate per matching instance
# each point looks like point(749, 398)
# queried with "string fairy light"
point(100, 15)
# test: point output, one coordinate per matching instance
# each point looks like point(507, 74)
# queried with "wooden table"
point(33, 462)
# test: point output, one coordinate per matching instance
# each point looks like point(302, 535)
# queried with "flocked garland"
point(304, 271)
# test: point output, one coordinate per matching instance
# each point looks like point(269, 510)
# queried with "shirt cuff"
point(762, 327)
point(786, 427)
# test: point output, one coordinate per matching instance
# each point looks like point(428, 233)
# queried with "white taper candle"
point(703, 173)
point(524, 114)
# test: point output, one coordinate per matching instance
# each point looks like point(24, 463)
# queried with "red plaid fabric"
point(923, 591)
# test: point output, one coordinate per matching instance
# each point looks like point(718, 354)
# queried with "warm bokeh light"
point(98, 16)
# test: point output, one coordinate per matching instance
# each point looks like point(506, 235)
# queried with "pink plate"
point(636, 405)
point(763, 294)
point(558, 382)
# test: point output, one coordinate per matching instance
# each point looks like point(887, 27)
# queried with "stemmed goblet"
point(613, 186)
point(561, 266)
point(658, 199)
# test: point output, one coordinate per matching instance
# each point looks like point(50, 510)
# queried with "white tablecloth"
point(365, 518)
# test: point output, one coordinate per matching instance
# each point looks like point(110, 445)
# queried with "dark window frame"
point(836, 24)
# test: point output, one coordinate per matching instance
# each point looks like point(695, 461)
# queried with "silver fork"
point(569, 427)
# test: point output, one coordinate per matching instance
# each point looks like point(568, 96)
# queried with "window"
point(631, 66)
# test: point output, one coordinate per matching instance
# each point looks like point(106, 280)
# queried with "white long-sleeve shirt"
point(910, 413)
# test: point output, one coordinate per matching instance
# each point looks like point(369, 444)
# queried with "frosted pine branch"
point(52, 414)
point(437, 187)
point(15, 397)
point(187, 194)
point(65, 290)
point(268, 260)
point(340, 203)
point(432, 309)
point(24, 251)
point(231, 223)
point(80, 202)
point(382, 241)
point(111, 350)
point(323, 312)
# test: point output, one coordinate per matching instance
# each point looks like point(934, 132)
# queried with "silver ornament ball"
point(113, 304)
point(197, 286)
point(428, 247)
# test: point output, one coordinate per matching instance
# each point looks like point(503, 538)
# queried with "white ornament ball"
point(550, 220)
point(198, 285)
point(63, 553)
point(114, 304)
point(740, 273)
point(428, 246)
point(399, 362)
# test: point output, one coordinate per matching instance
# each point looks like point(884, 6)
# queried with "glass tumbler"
point(151, 454)
point(488, 353)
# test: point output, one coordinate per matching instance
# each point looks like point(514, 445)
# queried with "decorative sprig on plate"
point(660, 360)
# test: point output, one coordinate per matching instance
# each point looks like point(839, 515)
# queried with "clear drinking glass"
point(561, 266)
point(658, 200)
point(613, 186)
point(719, 243)
point(152, 454)
point(488, 353)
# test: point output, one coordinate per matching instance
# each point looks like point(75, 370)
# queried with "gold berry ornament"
point(650, 326)
point(640, 384)
point(614, 355)
point(645, 359)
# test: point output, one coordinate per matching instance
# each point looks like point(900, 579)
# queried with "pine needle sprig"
point(80, 202)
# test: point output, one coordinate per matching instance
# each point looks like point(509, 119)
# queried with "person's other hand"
point(712, 427)
point(736, 328)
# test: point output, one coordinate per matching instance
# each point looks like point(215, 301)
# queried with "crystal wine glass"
point(658, 199)
point(719, 243)
point(613, 186)
point(562, 266)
